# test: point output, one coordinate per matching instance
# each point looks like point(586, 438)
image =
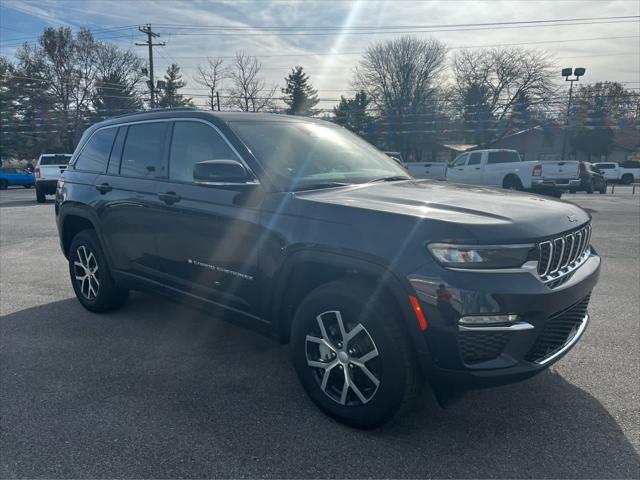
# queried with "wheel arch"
point(306, 270)
point(511, 177)
point(73, 219)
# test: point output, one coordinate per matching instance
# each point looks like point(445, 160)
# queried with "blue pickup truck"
point(16, 176)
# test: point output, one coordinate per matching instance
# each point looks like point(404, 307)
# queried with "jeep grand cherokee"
point(302, 230)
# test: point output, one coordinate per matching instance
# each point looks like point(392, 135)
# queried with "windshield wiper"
point(317, 186)
point(394, 178)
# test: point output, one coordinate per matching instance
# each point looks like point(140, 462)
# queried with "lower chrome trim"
point(515, 327)
point(567, 345)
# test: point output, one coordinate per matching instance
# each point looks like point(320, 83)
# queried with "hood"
point(464, 205)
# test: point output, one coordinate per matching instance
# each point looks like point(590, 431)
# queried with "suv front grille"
point(558, 331)
point(561, 255)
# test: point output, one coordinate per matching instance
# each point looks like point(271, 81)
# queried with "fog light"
point(471, 320)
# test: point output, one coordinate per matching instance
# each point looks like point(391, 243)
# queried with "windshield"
point(55, 160)
point(302, 154)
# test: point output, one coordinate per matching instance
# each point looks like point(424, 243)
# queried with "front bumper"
point(551, 321)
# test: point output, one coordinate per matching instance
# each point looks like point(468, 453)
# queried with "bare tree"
point(249, 91)
point(495, 80)
point(211, 76)
point(400, 76)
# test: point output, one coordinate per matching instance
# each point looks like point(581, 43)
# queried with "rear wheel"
point(90, 275)
point(603, 189)
point(512, 183)
point(352, 357)
point(40, 196)
point(3, 184)
point(627, 178)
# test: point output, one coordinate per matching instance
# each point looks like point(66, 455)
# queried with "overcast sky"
point(572, 45)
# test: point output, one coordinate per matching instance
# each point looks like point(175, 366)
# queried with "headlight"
point(479, 256)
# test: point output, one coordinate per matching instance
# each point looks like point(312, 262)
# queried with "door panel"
point(127, 197)
point(209, 236)
point(208, 242)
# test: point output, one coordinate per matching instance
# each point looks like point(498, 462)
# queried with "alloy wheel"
point(345, 359)
point(85, 267)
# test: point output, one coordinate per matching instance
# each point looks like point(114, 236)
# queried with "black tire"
point(603, 189)
point(394, 367)
point(512, 183)
point(627, 178)
point(27, 186)
point(4, 184)
point(40, 196)
point(572, 191)
point(85, 248)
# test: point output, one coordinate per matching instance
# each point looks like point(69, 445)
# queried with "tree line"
point(411, 94)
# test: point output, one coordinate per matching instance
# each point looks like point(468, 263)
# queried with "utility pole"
point(150, 35)
point(217, 100)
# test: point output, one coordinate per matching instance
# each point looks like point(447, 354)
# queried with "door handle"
point(459, 169)
point(169, 197)
point(104, 188)
point(477, 168)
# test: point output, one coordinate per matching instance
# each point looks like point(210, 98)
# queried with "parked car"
point(505, 168)
point(613, 172)
point(591, 180)
point(48, 170)
point(15, 176)
point(302, 230)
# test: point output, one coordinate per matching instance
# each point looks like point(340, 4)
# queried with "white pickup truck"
point(432, 170)
point(505, 168)
point(48, 169)
point(613, 172)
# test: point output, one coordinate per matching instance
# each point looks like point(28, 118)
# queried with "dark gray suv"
point(305, 232)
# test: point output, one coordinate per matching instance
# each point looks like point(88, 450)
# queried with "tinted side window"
point(474, 158)
point(95, 154)
point(55, 160)
point(195, 142)
point(116, 152)
point(143, 150)
point(503, 157)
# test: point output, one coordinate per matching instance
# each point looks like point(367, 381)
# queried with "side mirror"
point(219, 171)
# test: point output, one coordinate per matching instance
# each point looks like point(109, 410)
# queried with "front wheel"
point(4, 184)
point(90, 275)
point(352, 357)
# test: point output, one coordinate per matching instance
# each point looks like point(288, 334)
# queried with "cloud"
point(332, 74)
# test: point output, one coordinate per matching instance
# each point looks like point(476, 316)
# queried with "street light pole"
point(566, 73)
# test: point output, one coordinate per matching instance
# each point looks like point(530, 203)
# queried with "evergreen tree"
point(352, 112)
point(169, 97)
point(300, 97)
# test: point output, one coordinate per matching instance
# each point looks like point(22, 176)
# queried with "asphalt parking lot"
point(158, 390)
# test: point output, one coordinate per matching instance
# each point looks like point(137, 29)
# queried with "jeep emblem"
point(572, 219)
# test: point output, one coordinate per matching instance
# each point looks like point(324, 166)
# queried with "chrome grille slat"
point(563, 254)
